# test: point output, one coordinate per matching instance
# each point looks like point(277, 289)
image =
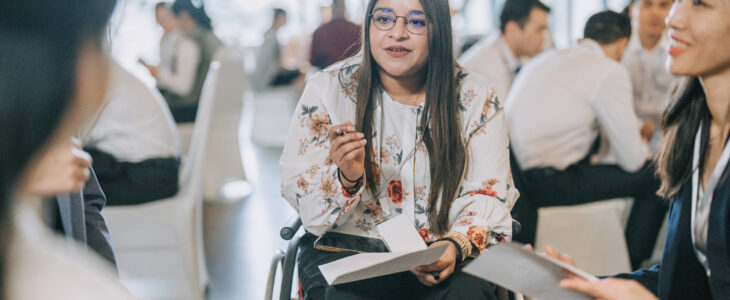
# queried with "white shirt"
point(43, 266)
point(481, 210)
point(652, 82)
point(169, 44)
point(493, 59)
point(650, 77)
point(182, 80)
point(135, 123)
point(563, 99)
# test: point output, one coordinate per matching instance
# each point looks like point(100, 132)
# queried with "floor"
point(242, 236)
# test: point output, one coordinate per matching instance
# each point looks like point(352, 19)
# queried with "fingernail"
point(351, 128)
point(364, 142)
point(360, 135)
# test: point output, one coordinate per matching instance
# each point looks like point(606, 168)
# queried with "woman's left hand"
point(444, 265)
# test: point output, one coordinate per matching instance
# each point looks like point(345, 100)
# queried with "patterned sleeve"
point(480, 216)
point(309, 178)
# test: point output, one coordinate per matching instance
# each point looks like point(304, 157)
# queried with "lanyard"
point(714, 181)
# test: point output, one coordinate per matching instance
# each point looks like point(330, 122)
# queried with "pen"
point(436, 275)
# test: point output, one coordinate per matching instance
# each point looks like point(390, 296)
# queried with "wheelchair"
point(288, 262)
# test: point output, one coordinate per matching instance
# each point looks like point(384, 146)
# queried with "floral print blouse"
point(480, 213)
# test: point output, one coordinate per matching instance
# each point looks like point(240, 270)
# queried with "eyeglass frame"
point(405, 19)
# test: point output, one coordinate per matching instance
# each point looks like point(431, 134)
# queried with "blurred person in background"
point(523, 27)
point(270, 71)
point(645, 59)
point(182, 85)
point(54, 77)
point(170, 40)
point(134, 142)
point(563, 103)
point(336, 40)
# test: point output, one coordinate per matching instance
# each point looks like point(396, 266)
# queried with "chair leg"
point(287, 269)
point(278, 256)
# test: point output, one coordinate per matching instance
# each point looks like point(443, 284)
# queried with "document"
point(369, 265)
point(519, 269)
point(400, 235)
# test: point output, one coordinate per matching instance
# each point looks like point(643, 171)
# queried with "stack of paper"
point(518, 269)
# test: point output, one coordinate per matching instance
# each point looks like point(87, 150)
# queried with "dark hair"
point(197, 13)
point(440, 124)
point(681, 122)
point(279, 12)
point(161, 4)
point(607, 27)
point(519, 11)
point(40, 41)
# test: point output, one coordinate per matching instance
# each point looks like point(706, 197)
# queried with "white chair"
point(592, 234)
point(159, 245)
point(224, 167)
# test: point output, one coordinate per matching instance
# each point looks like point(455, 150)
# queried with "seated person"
point(695, 263)
point(523, 26)
point(133, 142)
point(182, 85)
point(270, 71)
point(336, 40)
point(74, 201)
point(448, 172)
point(560, 105)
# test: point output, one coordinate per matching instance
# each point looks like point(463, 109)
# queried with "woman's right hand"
point(347, 151)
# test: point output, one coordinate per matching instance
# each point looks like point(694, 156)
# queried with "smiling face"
point(699, 31)
point(398, 51)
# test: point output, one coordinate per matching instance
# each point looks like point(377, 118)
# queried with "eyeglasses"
point(385, 20)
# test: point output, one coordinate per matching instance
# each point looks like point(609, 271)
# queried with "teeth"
point(677, 44)
point(398, 50)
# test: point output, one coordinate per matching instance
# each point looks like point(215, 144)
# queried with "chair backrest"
point(191, 175)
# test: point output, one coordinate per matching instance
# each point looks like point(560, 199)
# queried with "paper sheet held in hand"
point(369, 265)
point(519, 269)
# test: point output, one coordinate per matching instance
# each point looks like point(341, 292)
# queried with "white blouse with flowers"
point(481, 212)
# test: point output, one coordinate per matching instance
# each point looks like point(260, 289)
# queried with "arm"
point(97, 234)
point(181, 82)
point(649, 278)
point(612, 104)
point(481, 213)
point(309, 178)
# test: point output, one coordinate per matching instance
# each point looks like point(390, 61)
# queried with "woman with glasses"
point(693, 166)
point(400, 129)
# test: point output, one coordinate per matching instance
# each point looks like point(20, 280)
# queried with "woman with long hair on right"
point(692, 164)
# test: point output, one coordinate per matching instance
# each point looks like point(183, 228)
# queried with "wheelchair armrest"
point(290, 229)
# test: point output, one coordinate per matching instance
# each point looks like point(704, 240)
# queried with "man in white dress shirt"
point(645, 59)
point(133, 142)
point(563, 101)
point(523, 26)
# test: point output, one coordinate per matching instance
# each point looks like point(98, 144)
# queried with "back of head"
point(607, 27)
point(519, 11)
point(197, 13)
point(40, 42)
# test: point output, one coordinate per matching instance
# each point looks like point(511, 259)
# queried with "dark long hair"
point(681, 122)
point(40, 41)
point(440, 124)
point(197, 13)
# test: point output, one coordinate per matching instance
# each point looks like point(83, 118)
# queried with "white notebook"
point(518, 269)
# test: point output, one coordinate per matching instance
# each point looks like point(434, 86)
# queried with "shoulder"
point(478, 101)
point(481, 51)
